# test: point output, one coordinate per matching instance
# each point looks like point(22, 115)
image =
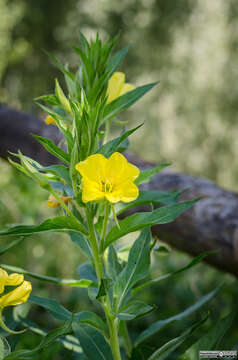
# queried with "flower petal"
point(119, 170)
point(126, 192)
point(16, 296)
point(15, 279)
point(93, 167)
point(126, 88)
point(3, 279)
point(91, 191)
point(115, 85)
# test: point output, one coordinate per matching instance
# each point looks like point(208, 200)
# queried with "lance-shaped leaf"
point(46, 341)
point(153, 196)
point(93, 342)
point(136, 269)
point(115, 60)
point(164, 351)
point(55, 308)
point(58, 223)
point(138, 221)
point(192, 263)
point(53, 149)
point(126, 100)
point(146, 175)
point(54, 280)
point(212, 339)
point(160, 324)
point(134, 309)
point(112, 146)
point(113, 265)
point(82, 242)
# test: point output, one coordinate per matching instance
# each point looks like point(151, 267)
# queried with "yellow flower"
point(15, 297)
point(108, 178)
point(53, 202)
point(117, 86)
point(49, 120)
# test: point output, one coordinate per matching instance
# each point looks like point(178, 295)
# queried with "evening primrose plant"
point(92, 185)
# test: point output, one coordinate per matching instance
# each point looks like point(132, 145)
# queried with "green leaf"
point(60, 66)
point(53, 149)
point(82, 242)
point(136, 268)
point(46, 341)
point(134, 309)
point(192, 263)
point(58, 223)
point(138, 221)
point(112, 146)
point(11, 244)
point(54, 280)
point(59, 170)
point(146, 175)
point(160, 324)
point(163, 352)
point(126, 100)
point(154, 197)
point(91, 319)
point(49, 99)
point(115, 60)
point(113, 265)
point(211, 340)
point(93, 342)
point(4, 348)
point(57, 310)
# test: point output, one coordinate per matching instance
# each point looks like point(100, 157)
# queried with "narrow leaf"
point(54, 280)
point(136, 269)
point(93, 342)
point(168, 348)
point(138, 221)
point(126, 100)
point(112, 146)
point(160, 324)
point(53, 149)
point(58, 223)
point(152, 196)
point(134, 309)
point(146, 175)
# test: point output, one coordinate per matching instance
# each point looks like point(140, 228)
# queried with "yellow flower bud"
point(49, 120)
point(117, 86)
point(53, 202)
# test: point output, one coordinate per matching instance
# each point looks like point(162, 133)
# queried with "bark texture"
point(211, 224)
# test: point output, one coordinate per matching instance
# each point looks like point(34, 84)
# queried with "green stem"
point(107, 131)
point(94, 244)
point(126, 337)
point(104, 229)
point(115, 216)
point(4, 326)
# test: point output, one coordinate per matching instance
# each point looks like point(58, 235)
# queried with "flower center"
point(106, 186)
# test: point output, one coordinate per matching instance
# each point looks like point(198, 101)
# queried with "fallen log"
point(211, 224)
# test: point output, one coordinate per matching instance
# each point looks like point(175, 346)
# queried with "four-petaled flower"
point(108, 178)
point(117, 86)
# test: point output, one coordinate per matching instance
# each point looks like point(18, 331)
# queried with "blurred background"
point(190, 118)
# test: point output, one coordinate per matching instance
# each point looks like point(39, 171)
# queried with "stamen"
point(106, 186)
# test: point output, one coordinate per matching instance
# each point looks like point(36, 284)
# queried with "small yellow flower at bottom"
point(111, 178)
point(15, 297)
point(117, 86)
point(49, 120)
point(53, 202)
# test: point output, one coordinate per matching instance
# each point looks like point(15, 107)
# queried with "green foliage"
point(84, 114)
